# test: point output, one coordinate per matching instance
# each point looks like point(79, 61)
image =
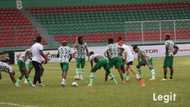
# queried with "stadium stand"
point(107, 19)
point(96, 21)
point(15, 28)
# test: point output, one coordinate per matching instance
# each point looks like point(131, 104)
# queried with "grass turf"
point(101, 94)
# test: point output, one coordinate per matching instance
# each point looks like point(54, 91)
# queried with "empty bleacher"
point(15, 29)
point(106, 19)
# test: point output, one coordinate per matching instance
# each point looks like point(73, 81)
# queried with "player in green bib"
point(113, 53)
point(171, 50)
point(98, 61)
point(65, 56)
point(21, 62)
point(143, 60)
point(81, 52)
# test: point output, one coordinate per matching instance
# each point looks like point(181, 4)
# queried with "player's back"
point(113, 50)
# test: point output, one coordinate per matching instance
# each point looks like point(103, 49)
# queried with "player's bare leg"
point(129, 70)
point(110, 74)
point(139, 76)
point(165, 73)
point(120, 73)
point(171, 72)
point(12, 77)
point(64, 77)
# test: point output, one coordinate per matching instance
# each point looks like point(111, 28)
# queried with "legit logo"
point(166, 98)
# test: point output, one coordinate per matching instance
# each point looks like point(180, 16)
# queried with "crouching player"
point(65, 56)
point(98, 61)
point(7, 68)
point(22, 65)
point(113, 52)
point(143, 60)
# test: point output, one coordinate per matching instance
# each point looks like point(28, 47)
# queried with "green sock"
point(115, 81)
point(92, 77)
point(127, 77)
point(77, 71)
point(29, 81)
point(17, 82)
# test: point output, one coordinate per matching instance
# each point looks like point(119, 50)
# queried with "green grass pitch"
point(101, 94)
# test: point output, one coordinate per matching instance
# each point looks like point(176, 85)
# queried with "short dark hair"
point(38, 39)
point(167, 37)
point(110, 40)
point(91, 53)
point(135, 47)
point(119, 38)
point(64, 43)
point(80, 37)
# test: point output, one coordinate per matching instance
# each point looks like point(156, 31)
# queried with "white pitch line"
point(16, 105)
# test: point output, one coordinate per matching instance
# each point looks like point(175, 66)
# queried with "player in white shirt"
point(65, 56)
point(38, 57)
point(8, 69)
point(129, 58)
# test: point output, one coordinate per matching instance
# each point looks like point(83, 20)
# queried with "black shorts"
point(130, 63)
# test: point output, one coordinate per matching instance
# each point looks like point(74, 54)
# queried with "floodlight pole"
point(142, 32)
point(160, 27)
point(174, 30)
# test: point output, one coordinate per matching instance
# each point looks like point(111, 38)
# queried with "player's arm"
point(75, 44)
point(91, 63)
point(87, 51)
point(125, 56)
point(176, 48)
point(58, 53)
point(107, 54)
point(44, 56)
point(138, 58)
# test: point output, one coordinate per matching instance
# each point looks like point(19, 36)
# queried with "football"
point(75, 84)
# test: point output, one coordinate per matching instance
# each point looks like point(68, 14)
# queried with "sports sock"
point(165, 74)
point(81, 73)
point(77, 72)
point(153, 73)
point(29, 81)
point(92, 77)
point(171, 74)
point(112, 76)
point(17, 82)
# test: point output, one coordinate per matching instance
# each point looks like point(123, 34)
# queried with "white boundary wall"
point(153, 51)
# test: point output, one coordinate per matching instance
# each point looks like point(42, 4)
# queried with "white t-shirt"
point(128, 50)
point(5, 67)
point(36, 52)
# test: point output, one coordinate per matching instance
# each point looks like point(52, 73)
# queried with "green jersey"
point(113, 50)
point(169, 45)
point(64, 53)
point(81, 50)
